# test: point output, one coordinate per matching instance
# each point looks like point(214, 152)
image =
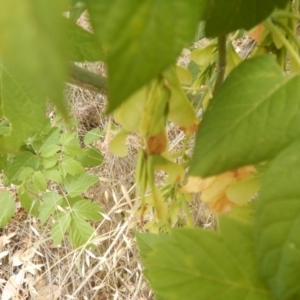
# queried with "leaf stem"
point(221, 65)
point(285, 14)
point(274, 30)
point(87, 80)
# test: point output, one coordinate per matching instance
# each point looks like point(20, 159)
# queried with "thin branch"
point(87, 80)
point(221, 65)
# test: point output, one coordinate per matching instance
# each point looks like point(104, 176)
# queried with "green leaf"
point(50, 150)
point(199, 264)
point(80, 231)
point(147, 241)
point(39, 180)
point(70, 166)
point(87, 210)
point(25, 173)
point(22, 160)
point(127, 33)
point(77, 8)
point(277, 225)
point(242, 191)
point(51, 200)
point(53, 175)
point(26, 118)
point(50, 162)
point(118, 144)
point(73, 149)
point(92, 157)
point(8, 207)
point(92, 136)
point(83, 45)
point(32, 33)
point(76, 185)
point(29, 201)
point(222, 19)
point(61, 225)
point(51, 137)
point(248, 121)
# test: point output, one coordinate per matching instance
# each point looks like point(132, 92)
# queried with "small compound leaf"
point(29, 202)
point(240, 126)
point(277, 224)
point(76, 185)
point(175, 267)
point(87, 210)
point(92, 136)
point(51, 200)
point(92, 157)
point(39, 180)
point(25, 159)
point(53, 175)
point(70, 166)
point(49, 150)
point(61, 225)
point(80, 232)
point(8, 207)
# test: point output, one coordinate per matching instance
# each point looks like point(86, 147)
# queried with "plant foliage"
point(244, 111)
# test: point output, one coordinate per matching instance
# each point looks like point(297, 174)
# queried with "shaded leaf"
point(222, 19)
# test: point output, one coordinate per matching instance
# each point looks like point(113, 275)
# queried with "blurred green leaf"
point(33, 42)
point(92, 157)
point(278, 223)
point(92, 136)
point(225, 16)
point(127, 33)
point(8, 207)
point(83, 45)
point(70, 166)
point(22, 160)
point(199, 264)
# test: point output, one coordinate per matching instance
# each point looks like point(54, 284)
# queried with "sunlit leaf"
point(240, 126)
point(80, 231)
point(51, 200)
point(87, 210)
